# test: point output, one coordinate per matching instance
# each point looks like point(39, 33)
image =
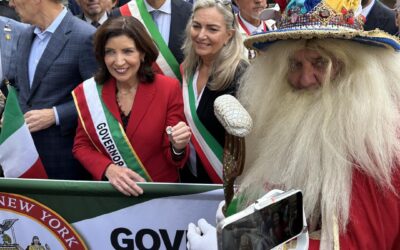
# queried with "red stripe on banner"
point(124, 9)
point(36, 171)
point(84, 112)
point(207, 165)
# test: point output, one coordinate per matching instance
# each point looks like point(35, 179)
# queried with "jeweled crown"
point(325, 13)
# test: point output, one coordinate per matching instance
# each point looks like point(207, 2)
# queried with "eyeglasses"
point(228, 6)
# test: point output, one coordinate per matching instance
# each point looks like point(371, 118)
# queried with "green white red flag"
point(18, 155)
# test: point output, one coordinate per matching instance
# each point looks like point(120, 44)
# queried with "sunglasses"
point(228, 6)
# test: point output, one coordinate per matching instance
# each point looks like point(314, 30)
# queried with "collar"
point(365, 11)
point(53, 26)
point(165, 8)
point(102, 19)
point(251, 28)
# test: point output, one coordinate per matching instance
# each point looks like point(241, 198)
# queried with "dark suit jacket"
point(122, 2)
point(67, 61)
point(180, 14)
point(81, 16)
point(74, 7)
point(156, 106)
point(8, 44)
point(381, 17)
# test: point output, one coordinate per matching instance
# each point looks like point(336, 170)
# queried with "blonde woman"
point(212, 67)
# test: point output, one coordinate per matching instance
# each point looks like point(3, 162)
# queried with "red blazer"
point(156, 106)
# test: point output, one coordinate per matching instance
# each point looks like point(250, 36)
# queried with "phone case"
point(261, 227)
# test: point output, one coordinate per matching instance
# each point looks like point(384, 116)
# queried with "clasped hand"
point(39, 119)
point(179, 135)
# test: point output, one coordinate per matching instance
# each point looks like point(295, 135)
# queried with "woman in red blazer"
point(131, 127)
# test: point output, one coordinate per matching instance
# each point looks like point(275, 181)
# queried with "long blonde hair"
point(224, 66)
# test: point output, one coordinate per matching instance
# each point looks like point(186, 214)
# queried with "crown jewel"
point(326, 13)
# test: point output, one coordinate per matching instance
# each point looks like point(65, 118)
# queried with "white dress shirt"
point(250, 27)
point(39, 44)
point(102, 19)
point(367, 9)
point(163, 19)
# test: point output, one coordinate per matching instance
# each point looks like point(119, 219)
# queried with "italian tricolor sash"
point(103, 129)
point(166, 61)
point(207, 148)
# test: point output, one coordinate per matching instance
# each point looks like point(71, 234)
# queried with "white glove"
point(220, 215)
point(201, 237)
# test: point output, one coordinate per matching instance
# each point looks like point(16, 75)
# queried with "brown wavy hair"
point(134, 29)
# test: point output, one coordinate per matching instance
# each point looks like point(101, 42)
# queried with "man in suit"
point(378, 16)
point(95, 12)
point(55, 55)
point(9, 35)
point(170, 18)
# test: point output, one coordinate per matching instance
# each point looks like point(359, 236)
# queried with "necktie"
point(96, 24)
point(154, 15)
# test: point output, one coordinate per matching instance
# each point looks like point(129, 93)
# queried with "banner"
point(92, 215)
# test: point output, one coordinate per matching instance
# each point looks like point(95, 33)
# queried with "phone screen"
point(267, 227)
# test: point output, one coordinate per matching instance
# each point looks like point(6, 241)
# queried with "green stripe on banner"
point(161, 44)
point(13, 117)
point(93, 198)
point(210, 140)
point(120, 142)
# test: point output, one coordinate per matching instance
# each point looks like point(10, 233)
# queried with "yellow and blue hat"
point(320, 19)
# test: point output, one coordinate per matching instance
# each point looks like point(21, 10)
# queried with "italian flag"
point(18, 155)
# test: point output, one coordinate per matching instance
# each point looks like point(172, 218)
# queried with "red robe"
point(374, 216)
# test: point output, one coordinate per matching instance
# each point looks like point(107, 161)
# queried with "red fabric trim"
point(84, 111)
point(207, 165)
point(125, 10)
point(282, 4)
point(36, 171)
point(245, 28)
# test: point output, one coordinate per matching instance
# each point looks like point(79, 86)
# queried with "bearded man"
point(325, 107)
point(326, 125)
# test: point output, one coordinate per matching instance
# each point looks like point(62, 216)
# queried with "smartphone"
point(265, 224)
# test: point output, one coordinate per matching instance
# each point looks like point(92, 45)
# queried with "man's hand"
point(39, 119)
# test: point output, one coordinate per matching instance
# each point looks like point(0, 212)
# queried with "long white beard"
point(313, 139)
